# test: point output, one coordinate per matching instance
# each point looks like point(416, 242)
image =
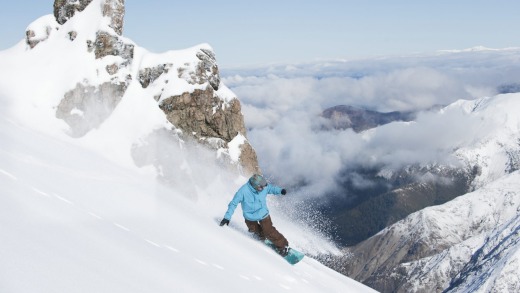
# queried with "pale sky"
point(249, 33)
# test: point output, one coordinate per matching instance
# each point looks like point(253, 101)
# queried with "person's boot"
point(283, 251)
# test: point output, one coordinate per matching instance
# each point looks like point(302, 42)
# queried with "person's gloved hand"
point(284, 192)
point(224, 222)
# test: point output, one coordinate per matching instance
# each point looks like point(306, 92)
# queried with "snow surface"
point(478, 221)
point(475, 224)
point(77, 215)
point(494, 148)
point(72, 221)
point(469, 244)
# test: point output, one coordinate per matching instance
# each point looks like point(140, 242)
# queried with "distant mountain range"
point(441, 227)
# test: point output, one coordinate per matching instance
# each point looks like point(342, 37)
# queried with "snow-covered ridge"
point(497, 260)
point(85, 73)
point(455, 245)
point(439, 245)
point(468, 226)
point(496, 149)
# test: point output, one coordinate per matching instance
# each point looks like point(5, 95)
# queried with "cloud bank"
point(282, 104)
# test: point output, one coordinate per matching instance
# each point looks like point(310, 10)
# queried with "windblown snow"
point(73, 221)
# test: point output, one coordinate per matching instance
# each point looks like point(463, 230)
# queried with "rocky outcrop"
point(203, 115)
point(40, 30)
point(149, 75)
point(66, 9)
point(206, 70)
point(107, 44)
point(85, 107)
point(32, 39)
point(115, 11)
point(186, 86)
point(248, 159)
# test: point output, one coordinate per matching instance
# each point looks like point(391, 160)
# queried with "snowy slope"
point(73, 221)
point(494, 266)
point(470, 227)
point(77, 215)
point(470, 244)
point(495, 148)
point(37, 79)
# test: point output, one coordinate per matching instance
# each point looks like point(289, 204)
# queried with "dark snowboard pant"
point(264, 229)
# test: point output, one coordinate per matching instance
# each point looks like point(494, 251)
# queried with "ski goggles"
point(258, 182)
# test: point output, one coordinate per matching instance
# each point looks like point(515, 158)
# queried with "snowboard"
point(293, 257)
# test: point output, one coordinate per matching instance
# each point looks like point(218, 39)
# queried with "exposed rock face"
point(86, 107)
point(248, 159)
point(149, 75)
point(206, 70)
point(65, 9)
point(107, 44)
point(32, 40)
point(40, 30)
point(115, 10)
point(203, 115)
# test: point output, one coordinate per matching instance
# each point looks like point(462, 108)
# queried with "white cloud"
point(282, 108)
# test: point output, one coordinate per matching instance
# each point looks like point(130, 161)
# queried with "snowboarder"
point(252, 197)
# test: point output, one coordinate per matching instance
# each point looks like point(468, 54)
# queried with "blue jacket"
point(254, 206)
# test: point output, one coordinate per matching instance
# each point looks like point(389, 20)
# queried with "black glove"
point(284, 192)
point(224, 222)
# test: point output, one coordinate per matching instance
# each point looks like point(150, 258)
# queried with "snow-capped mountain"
point(469, 244)
point(89, 121)
point(86, 70)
